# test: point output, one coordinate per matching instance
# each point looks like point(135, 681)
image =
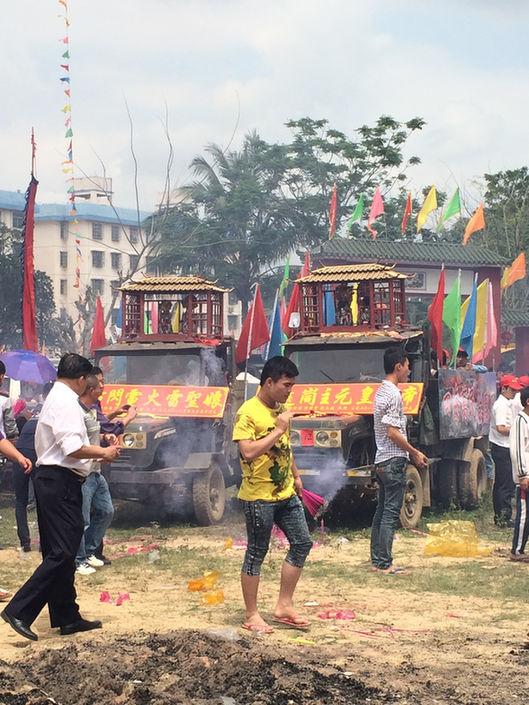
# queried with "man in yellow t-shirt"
point(270, 492)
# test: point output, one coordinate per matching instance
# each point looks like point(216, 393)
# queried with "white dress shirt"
point(501, 415)
point(61, 430)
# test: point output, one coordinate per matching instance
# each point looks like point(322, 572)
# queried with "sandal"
point(258, 628)
point(395, 570)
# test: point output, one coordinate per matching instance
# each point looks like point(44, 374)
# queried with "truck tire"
point(411, 510)
point(472, 480)
point(447, 483)
point(209, 495)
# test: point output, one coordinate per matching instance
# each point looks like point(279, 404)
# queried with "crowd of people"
point(65, 441)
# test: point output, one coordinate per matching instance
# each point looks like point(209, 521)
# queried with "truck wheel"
point(473, 480)
point(411, 510)
point(447, 483)
point(209, 496)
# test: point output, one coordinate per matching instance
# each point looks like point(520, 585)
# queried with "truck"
point(349, 315)
point(174, 363)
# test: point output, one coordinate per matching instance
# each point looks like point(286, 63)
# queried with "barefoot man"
point(270, 492)
point(393, 451)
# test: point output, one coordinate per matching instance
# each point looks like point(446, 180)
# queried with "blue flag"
point(273, 347)
point(119, 319)
point(328, 305)
point(469, 326)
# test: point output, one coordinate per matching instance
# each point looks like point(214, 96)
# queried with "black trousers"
point(61, 525)
point(504, 486)
point(21, 484)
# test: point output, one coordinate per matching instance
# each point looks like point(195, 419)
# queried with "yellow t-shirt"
point(269, 477)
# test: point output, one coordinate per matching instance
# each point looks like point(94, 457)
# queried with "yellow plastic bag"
point(453, 538)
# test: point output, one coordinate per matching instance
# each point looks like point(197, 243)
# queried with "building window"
point(134, 235)
point(115, 283)
point(233, 322)
point(63, 259)
point(115, 233)
point(98, 258)
point(97, 231)
point(18, 220)
point(64, 230)
point(98, 286)
point(115, 259)
point(63, 314)
point(133, 259)
point(63, 287)
point(232, 298)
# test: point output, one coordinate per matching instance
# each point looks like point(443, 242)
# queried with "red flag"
point(377, 208)
point(254, 331)
point(407, 213)
point(99, 339)
point(29, 319)
point(435, 316)
point(305, 270)
point(332, 211)
point(290, 316)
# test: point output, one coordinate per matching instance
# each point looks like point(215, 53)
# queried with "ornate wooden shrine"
point(352, 297)
point(162, 309)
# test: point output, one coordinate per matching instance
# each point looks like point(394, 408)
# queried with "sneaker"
point(94, 562)
point(23, 555)
point(84, 569)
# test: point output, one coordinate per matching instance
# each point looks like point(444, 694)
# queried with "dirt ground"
point(404, 644)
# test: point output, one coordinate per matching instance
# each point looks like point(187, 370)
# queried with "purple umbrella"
point(28, 366)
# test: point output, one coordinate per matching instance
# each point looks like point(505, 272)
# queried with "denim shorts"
point(289, 516)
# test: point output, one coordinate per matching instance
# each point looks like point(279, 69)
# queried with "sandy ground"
point(427, 648)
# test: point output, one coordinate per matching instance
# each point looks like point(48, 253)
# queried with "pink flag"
point(491, 338)
point(377, 208)
point(154, 317)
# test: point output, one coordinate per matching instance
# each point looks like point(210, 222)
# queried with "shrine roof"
point(369, 271)
point(358, 337)
point(407, 251)
point(511, 317)
point(169, 284)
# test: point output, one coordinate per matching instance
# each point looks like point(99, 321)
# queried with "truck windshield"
point(339, 364)
point(148, 368)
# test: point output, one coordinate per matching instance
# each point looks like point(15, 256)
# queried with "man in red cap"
point(501, 420)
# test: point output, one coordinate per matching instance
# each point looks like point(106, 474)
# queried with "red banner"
point(160, 400)
point(348, 398)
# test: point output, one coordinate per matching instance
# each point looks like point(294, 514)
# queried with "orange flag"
point(332, 211)
point(377, 208)
point(407, 213)
point(477, 222)
point(517, 269)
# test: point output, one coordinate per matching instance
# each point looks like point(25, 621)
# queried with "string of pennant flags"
point(68, 164)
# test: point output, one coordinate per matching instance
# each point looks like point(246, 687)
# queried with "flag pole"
point(249, 345)
point(272, 320)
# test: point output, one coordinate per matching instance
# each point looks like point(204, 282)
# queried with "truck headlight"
point(322, 438)
point(127, 440)
point(295, 438)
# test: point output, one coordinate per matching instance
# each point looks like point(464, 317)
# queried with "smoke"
point(214, 368)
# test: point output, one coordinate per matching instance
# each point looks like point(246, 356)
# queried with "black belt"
point(54, 472)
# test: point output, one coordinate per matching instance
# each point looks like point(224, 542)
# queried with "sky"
point(213, 70)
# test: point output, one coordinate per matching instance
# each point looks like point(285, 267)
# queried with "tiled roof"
point(415, 252)
point(171, 284)
point(514, 318)
point(369, 271)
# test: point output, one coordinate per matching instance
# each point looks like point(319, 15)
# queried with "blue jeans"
point(97, 495)
point(289, 516)
point(391, 478)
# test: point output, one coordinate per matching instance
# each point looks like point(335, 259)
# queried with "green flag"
point(357, 213)
point(284, 282)
point(452, 315)
point(451, 209)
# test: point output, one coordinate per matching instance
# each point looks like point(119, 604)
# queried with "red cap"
point(510, 381)
point(524, 380)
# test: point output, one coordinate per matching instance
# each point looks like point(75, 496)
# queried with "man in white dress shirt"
point(63, 451)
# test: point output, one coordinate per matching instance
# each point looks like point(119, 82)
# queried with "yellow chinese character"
point(408, 395)
point(192, 399)
point(326, 396)
point(116, 395)
point(133, 396)
point(341, 397)
point(214, 399)
point(153, 396)
point(174, 398)
point(366, 395)
point(308, 396)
